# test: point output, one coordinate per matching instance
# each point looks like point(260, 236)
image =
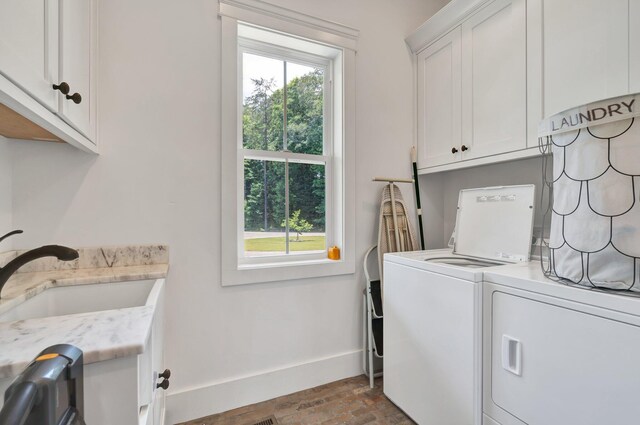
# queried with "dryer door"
point(556, 366)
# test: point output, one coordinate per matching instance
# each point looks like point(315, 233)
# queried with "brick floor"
point(349, 401)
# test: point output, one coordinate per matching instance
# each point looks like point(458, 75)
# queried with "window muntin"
point(287, 174)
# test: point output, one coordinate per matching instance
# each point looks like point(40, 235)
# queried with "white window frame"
point(339, 130)
point(277, 52)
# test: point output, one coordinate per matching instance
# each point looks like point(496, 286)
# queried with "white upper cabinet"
point(634, 46)
point(28, 36)
point(77, 45)
point(585, 51)
point(494, 80)
point(47, 70)
point(439, 102)
point(472, 87)
point(579, 53)
point(519, 62)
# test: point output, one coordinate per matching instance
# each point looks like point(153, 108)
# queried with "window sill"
point(255, 273)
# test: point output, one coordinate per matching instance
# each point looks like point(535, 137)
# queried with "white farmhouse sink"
point(63, 300)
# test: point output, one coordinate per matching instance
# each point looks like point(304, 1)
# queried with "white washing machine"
point(432, 307)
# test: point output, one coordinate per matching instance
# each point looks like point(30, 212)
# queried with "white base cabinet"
point(125, 390)
point(550, 361)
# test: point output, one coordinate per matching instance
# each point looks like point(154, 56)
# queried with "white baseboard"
point(241, 391)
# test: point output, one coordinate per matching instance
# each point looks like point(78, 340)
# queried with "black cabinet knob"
point(75, 97)
point(454, 150)
point(165, 375)
point(164, 384)
point(63, 87)
point(464, 148)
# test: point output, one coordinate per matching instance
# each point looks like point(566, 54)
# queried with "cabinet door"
point(158, 359)
point(585, 51)
point(439, 101)
point(494, 80)
point(77, 64)
point(634, 46)
point(575, 367)
point(28, 46)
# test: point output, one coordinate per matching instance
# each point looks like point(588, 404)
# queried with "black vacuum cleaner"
point(49, 391)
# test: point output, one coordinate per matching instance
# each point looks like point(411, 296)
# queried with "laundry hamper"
point(593, 214)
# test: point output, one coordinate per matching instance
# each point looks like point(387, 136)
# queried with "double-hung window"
point(287, 149)
point(287, 153)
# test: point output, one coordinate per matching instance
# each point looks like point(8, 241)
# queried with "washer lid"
point(495, 223)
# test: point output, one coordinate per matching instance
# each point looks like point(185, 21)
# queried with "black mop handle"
point(416, 186)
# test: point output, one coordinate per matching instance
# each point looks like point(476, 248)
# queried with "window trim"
point(233, 272)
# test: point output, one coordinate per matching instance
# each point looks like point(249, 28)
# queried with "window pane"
point(262, 92)
point(307, 221)
point(305, 97)
point(264, 206)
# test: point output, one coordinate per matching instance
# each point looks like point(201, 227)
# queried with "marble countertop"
point(101, 335)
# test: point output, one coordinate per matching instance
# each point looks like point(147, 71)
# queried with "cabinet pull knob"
point(75, 97)
point(464, 148)
point(165, 375)
point(164, 384)
point(454, 150)
point(63, 87)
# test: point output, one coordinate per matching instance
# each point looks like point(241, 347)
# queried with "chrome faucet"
point(62, 253)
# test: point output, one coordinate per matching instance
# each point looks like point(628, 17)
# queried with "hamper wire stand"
point(593, 188)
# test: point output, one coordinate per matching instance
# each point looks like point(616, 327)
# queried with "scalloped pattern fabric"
point(595, 205)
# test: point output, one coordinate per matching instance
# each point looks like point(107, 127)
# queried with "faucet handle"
point(14, 232)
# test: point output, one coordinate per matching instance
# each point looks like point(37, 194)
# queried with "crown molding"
point(451, 15)
point(262, 13)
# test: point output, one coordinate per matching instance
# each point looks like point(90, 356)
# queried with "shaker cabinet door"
point(28, 47)
point(439, 102)
point(585, 51)
point(77, 64)
point(634, 46)
point(158, 362)
point(494, 80)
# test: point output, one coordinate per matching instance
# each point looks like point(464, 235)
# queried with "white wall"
point(441, 191)
point(6, 221)
point(158, 180)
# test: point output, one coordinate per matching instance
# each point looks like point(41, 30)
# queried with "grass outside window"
point(277, 244)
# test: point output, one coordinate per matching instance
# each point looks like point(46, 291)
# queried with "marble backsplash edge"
point(7, 256)
point(97, 257)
